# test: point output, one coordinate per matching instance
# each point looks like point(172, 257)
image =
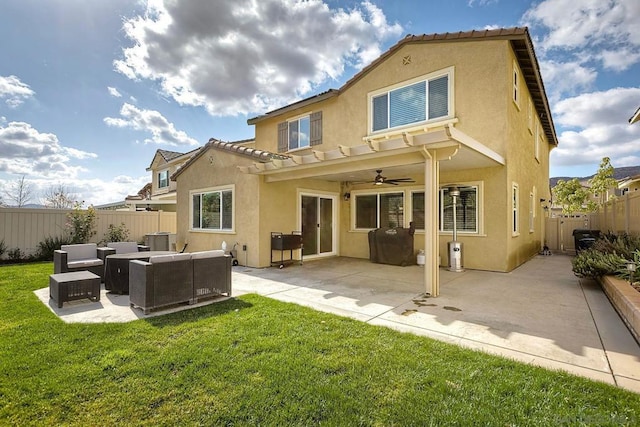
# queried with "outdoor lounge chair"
point(211, 274)
point(70, 258)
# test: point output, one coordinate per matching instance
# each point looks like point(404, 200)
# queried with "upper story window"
point(419, 101)
point(516, 84)
point(300, 132)
point(163, 179)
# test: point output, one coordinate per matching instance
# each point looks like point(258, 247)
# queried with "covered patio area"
point(539, 313)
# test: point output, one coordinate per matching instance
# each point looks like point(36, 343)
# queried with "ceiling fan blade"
point(400, 180)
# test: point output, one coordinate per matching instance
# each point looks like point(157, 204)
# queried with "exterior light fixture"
point(631, 268)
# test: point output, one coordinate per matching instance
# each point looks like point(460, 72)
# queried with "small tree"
point(81, 224)
point(19, 192)
point(58, 197)
point(573, 196)
point(603, 181)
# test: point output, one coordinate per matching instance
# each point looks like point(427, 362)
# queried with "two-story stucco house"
point(462, 109)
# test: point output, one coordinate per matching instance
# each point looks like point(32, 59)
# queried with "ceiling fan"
point(379, 179)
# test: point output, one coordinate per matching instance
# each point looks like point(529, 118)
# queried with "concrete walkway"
point(539, 314)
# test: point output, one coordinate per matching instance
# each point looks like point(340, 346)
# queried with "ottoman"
point(73, 286)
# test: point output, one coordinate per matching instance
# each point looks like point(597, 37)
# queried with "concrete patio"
point(539, 314)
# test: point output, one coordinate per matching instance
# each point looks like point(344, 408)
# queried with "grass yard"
point(256, 361)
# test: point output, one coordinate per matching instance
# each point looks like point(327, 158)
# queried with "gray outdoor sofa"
point(178, 278)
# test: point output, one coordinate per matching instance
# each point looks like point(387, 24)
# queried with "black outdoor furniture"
point(116, 269)
point(74, 285)
point(392, 246)
point(281, 242)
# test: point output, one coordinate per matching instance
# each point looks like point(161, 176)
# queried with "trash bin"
point(584, 239)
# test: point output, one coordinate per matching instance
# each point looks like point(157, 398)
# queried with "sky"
point(89, 90)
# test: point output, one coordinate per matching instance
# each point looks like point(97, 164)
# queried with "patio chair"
point(79, 257)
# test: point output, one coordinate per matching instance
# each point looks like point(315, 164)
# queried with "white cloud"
point(162, 131)
point(114, 92)
point(14, 91)
point(472, 3)
point(598, 127)
point(566, 77)
point(247, 57)
point(26, 151)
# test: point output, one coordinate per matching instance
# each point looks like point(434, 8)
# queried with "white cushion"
point(207, 254)
point(80, 251)
point(124, 247)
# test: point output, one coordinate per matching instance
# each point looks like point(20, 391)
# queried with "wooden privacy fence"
point(559, 230)
point(25, 228)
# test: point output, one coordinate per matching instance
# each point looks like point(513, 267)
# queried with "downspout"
point(431, 240)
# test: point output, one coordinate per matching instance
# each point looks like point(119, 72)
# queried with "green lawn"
point(256, 361)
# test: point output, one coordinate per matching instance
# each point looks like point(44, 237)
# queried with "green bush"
point(114, 233)
point(3, 247)
point(608, 256)
point(81, 224)
point(15, 254)
point(50, 244)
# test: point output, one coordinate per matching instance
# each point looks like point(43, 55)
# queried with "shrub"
point(50, 244)
point(3, 248)
point(608, 256)
point(81, 224)
point(114, 233)
point(15, 254)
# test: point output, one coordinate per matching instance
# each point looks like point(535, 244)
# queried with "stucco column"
point(431, 185)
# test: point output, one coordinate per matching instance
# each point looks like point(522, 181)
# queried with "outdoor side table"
point(72, 286)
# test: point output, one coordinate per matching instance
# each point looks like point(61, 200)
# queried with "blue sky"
point(89, 90)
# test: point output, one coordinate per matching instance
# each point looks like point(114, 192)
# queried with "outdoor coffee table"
point(73, 286)
point(116, 269)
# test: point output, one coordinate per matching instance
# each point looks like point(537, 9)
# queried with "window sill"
point(201, 230)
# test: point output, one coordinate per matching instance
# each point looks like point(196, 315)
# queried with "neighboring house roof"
point(522, 46)
point(168, 156)
point(635, 117)
point(234, 147)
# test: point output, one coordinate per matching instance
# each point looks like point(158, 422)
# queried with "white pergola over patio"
point(422, 149)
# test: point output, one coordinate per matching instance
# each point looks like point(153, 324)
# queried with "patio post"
point(431, 184)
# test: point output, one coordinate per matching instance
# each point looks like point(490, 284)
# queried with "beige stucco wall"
point(485, 111)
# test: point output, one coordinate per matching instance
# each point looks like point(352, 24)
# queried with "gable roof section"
point(520, 42)
point(168, 156)
point(234, 147)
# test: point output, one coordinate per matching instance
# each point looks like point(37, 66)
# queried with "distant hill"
point(618, 173)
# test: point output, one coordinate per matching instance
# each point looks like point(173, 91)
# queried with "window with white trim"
point(379, 210)
point(212, 210)
point(515, 199)
point(538, 141)
point(530, 116)
point(413, 103)
point(466, 209)
point(531, 212)
point(163, 179)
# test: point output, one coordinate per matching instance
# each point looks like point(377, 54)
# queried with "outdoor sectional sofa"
point(178, 278)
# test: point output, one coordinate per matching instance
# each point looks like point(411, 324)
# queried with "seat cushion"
point(207, 254)
point(123, 247)
point(81, 251)
point(83, 263)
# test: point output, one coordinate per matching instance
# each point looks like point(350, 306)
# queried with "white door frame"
point(335, 198)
